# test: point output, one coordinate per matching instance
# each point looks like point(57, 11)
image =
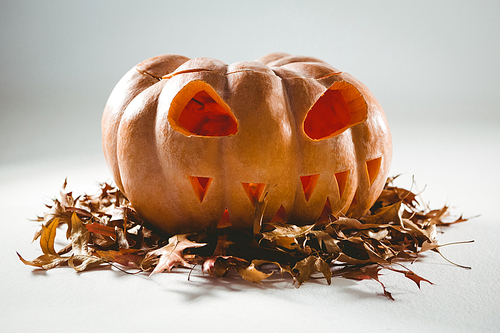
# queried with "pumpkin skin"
point(191, 142)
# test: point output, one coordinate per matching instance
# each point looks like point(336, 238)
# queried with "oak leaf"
point(105, 228)
point(370, 272)
point(308, 266)
point(220, 251)
point(391, 213)
point(285, 236)
point(79, 236)
point(170, 255)
point(125, 257)
point(412, 276)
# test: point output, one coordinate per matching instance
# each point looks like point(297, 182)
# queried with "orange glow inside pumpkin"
point(339, 108)
point(308, 184)
point(341, 178)
point(280, 217)
point(254, 191)
point(203, 116)
point(200, 186)
point(225, 221)
point(325, 213)
point(373, 168)
point(329, 114)
point(354, 202)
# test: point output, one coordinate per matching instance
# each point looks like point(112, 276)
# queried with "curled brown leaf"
point(104, 228)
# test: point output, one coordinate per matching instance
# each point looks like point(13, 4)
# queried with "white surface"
point(432, 65)
point(460, 301)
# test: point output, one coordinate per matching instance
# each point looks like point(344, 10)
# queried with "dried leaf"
point(415, 278)
point(411, 275)
point(458, 220)
point(56, 211)
point(45, 261)
point(285, 236)
point(48, 236)
point(308, 266)
point(252, 274)
point(105, 228)
point(429, 245)
point(171, 254)
point(224, 263)
point(282, 267)
point(121, 238)
point(260, 207)
point(100, 229)
point(368, 273)
point(79, 236)
point(125, 257)
point(220, 251)
point(66, 197)
point(326, 242)
point(82, 262)
point(347, 223)
point(391, 213)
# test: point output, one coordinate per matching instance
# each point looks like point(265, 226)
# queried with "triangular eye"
point(339, 108)
point(198, 110)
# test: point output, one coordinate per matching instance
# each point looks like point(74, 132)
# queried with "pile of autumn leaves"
point(104, 229)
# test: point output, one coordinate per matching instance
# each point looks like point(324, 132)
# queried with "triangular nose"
point(308, 184)
point(200, 186)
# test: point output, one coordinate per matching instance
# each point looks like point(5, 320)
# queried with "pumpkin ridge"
point(328, 75)
point(193, 175)
point(145, 73)
point(187, 71)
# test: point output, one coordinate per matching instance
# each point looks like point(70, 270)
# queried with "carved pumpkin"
point(192, 142)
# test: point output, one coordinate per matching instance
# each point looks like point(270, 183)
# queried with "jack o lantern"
point(193, 142)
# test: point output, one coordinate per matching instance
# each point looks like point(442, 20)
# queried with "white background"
point(433, 65)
